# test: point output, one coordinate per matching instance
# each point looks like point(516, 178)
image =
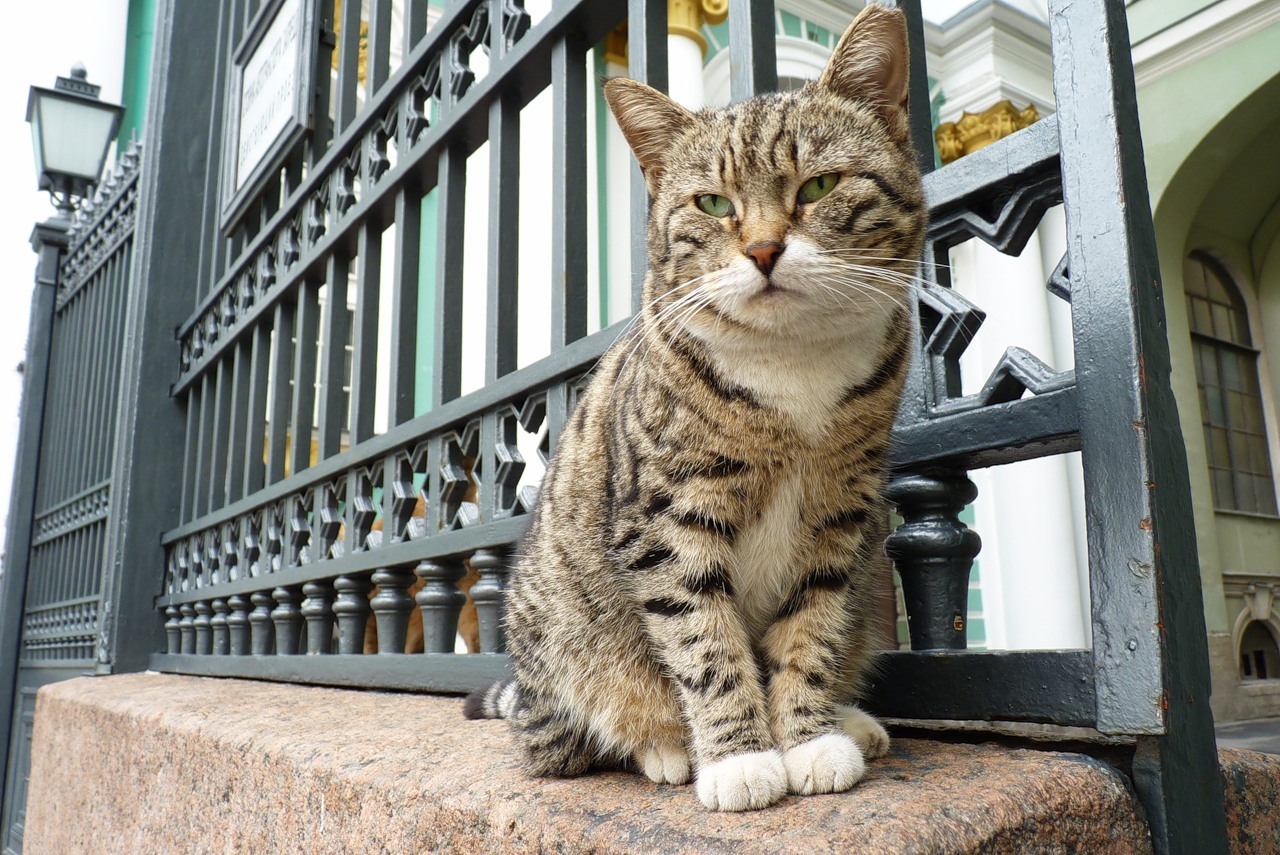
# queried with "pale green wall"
point(1195, 123)
point(1147, 17)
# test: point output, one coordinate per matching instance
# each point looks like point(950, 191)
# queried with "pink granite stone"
point(159, 763)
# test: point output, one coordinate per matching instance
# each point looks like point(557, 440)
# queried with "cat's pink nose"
point(764, 254)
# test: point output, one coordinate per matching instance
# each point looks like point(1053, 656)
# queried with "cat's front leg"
point(691, 617)
point(804, 651)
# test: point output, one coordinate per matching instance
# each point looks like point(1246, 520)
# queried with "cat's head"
point(795, 214)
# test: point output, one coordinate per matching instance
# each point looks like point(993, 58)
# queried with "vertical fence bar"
point(379, 50)
point(306, 331)
point(204, 439)
point(504, 238)
point(334, 325)
point(647, 58)
point(321, 124)
point(402, 372)
point(281, 363)
point(1149, 634)
point(569, 211)
point(255, 449)
point(364, 349)
point(238, 429)
point(415, 25)
point(348, 65)
point(753, 54)
point(918, 86)
point(218, 446)
point(186, 512)
point(451, 200)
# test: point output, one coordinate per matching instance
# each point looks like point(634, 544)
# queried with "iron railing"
point(52, 607)
point(275, 556)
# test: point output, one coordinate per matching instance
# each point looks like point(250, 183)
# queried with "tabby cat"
point(694, 594)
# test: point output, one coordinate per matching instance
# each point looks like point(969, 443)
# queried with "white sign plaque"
point(269, 89)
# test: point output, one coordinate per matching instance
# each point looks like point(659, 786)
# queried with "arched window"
point(1259, 656)
point(1235, 434)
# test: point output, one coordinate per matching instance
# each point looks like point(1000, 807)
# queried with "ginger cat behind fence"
point(694, 595)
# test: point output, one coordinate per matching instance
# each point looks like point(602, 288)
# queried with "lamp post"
point(70, 131)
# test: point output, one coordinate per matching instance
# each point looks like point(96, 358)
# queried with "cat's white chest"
point(806, 387)
point(765, 555)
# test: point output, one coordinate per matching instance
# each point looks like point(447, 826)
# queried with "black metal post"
point(49, 240)
point(184, 86)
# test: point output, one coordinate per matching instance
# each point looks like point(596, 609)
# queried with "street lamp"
point(71, 130)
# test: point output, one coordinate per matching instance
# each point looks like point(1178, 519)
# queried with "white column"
point(1024, 515)
point(1052, 236)
point(684, 64)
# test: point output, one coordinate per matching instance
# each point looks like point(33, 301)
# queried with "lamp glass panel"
point(35, 145)
point(76, 136)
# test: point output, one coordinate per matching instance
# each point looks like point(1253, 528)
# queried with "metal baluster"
point(391, 607)
point(186, 626)
point(488, 593)
point(934, 551)
point(204, 636)
point(172, 632)
point(287, 618)
point(440, 601)
point(218, 623)
point(261, 631)
point(352, 611)
point(317, 609)
point(238, 625)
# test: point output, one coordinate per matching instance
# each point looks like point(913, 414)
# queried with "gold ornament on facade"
point(684, 18)
point(979, 130)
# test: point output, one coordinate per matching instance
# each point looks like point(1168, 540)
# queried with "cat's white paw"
point(743, 781)
point(665, 764)
point(870, 735)
point(831, 763)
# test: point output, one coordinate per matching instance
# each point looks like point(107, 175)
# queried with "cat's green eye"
point(817, 187)
point(716, 206)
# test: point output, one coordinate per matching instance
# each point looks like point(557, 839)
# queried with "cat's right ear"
point(649, 120)
point(872, 62)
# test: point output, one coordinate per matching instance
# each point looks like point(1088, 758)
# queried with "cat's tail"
point(498, 701)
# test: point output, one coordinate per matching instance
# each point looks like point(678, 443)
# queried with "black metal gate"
point(52, 610)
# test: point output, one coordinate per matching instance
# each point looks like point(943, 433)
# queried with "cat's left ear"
point(872, 61)
point(649, 120)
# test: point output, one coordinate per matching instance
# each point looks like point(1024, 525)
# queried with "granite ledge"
point(162, 763)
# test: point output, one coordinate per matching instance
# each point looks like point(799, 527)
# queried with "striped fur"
point(694, 595)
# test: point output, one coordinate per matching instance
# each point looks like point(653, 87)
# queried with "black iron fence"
point(55, 564)
point(324, 486)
